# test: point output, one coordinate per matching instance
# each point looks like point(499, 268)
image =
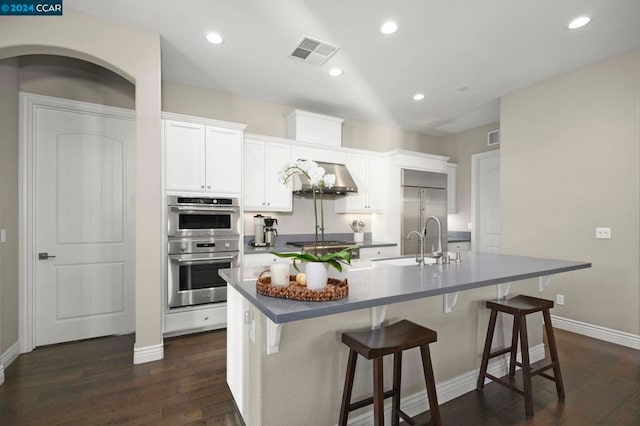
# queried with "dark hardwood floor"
point(94, 382)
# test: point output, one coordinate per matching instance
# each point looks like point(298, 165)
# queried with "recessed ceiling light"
point(389, 27)
point(418, 97)
point(579, 22)
point(335, 72)
point(215, 38)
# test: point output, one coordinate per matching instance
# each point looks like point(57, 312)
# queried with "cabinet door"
point(375, 185)
point(373, 252)
point(224, 160)
point(255, 166)
point(278, 195)
point(184, 156)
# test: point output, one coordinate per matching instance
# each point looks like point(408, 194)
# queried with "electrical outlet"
point(560, 299)
point(603, 233)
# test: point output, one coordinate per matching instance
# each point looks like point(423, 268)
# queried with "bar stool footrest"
point(368, 401)
point(503, 383)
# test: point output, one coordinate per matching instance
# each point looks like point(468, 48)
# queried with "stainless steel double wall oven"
point(203, 238)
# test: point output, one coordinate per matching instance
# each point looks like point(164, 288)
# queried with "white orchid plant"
point(319, 179)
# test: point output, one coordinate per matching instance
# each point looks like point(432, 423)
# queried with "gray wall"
point(269, 119)
point(461, 147)
point(9, 202)
point(569, 163)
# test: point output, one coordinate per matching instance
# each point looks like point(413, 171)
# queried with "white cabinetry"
point(240, 334)
point(368, 173)
point(451, 187)
point(373, 252)
point(263, 162)
point(263, 259)
point(203, 158)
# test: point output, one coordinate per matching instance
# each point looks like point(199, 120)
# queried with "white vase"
point(316, 273)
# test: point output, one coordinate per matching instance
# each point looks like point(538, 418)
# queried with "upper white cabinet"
point(263, 162)
point(368, 173)
point(451, 187)
point(184, 154)
point(203, 158)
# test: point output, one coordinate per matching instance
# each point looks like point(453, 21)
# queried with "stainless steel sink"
point(403, 260)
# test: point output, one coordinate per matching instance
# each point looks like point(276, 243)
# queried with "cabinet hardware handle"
point(202, 186)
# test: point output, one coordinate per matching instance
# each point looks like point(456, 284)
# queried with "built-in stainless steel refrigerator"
point(424, 194)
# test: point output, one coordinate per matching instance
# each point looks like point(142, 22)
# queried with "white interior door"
point(84, 216)
point(486, 190)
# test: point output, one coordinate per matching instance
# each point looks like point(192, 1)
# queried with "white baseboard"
point(601, 333)
point(418, 402)
point(148, 353)
point(7, 358)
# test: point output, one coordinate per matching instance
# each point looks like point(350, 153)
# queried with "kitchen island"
point(286, 363)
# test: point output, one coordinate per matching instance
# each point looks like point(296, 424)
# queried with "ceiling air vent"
point(313, 51)
point(493, 137)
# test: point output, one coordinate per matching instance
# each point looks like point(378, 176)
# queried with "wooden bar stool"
point(375, 344)
point(520, 307)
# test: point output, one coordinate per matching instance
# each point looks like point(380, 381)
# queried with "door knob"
point(44, 256)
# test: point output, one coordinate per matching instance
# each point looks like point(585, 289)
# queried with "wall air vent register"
point(493, 138)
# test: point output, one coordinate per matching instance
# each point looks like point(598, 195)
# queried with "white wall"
point(570, 163)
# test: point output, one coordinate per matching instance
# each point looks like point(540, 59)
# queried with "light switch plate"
point(3, 235)
point(603, 233)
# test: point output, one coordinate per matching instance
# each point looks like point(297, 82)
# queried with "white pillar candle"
point(279, 274)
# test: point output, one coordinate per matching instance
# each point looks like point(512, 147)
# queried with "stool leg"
point(348, 386)
point(514, 348)
point(487, 348)
point(526, 366)
point(397, 376)
point(378, 392)
point(430, 381)
point(553, 350)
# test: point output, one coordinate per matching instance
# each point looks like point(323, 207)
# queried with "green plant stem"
point(315, 213)
point(321, 216)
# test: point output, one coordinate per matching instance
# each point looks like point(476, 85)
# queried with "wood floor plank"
point(94, 382)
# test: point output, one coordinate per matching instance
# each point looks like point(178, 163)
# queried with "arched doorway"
point(135, 55)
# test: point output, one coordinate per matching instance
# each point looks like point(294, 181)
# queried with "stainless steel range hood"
point(344, 182)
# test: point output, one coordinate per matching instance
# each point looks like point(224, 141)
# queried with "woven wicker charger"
point(335, 289)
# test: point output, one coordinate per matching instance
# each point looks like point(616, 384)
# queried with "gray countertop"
point(385, 284)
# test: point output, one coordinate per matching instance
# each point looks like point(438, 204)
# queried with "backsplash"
point(301, 220)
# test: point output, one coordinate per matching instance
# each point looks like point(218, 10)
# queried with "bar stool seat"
point(521, 306)
point(374, 345)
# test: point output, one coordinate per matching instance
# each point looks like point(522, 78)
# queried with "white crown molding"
point(202, 120)
point(148, 353)
point(601, 333)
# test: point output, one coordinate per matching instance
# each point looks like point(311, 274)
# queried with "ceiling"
point(462, 54)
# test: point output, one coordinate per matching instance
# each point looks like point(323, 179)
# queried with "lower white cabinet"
point(369, 253)
point(461, 246)
point(262, 259)
point(191, 320)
